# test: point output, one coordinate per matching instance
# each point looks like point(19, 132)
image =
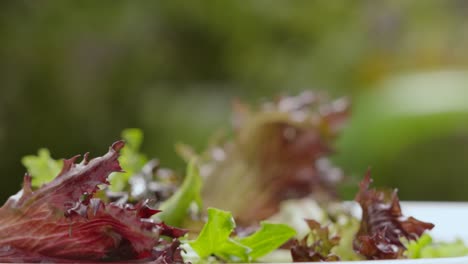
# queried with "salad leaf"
point(336, 216)
point(346, 226)
point(233, 251)
point(175, 209)
point(43, 167)
point(215, 239)
point(424, 247)
point(381, 230)
point(316, 246)
point(54, 222)
point(131, 160)
point(142, 178)
point(215, 236)
point(268, 238)
point(414, 248)
point(278, 152)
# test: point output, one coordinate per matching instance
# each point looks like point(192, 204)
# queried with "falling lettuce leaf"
point(215, 239)
point(62, 222)
point(278, 152)
point(42, 167)
point(176, 208)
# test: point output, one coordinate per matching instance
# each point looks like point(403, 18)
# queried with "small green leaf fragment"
point(43, 168)
point(133, 138)
point(131, 160)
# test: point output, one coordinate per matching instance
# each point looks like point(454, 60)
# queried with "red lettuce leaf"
point(62, 222)
point(383, 225)
point(316, 246)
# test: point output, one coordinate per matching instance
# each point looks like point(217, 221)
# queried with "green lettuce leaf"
point(268, 238)
point(233, 251)
point(131, 160)
point(424, 247)
point(174, 210)
point(42, 167)
point(215, 239)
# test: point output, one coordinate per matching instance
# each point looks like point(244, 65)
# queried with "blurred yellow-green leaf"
point(43, 168)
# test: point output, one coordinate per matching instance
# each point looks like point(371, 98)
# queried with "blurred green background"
point(73, 74)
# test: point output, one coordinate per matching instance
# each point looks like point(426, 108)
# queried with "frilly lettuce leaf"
point(316, 246)
point(382, 224)
point(62, 222)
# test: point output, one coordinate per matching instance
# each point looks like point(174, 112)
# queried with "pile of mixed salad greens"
point(269, 193)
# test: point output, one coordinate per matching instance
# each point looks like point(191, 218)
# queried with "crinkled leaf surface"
point(61, 222)
point(382, 224)
point(316, 246)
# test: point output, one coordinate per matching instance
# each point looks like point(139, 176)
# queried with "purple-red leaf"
point(316, 246)
point(62, 222)
point(383, 225)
